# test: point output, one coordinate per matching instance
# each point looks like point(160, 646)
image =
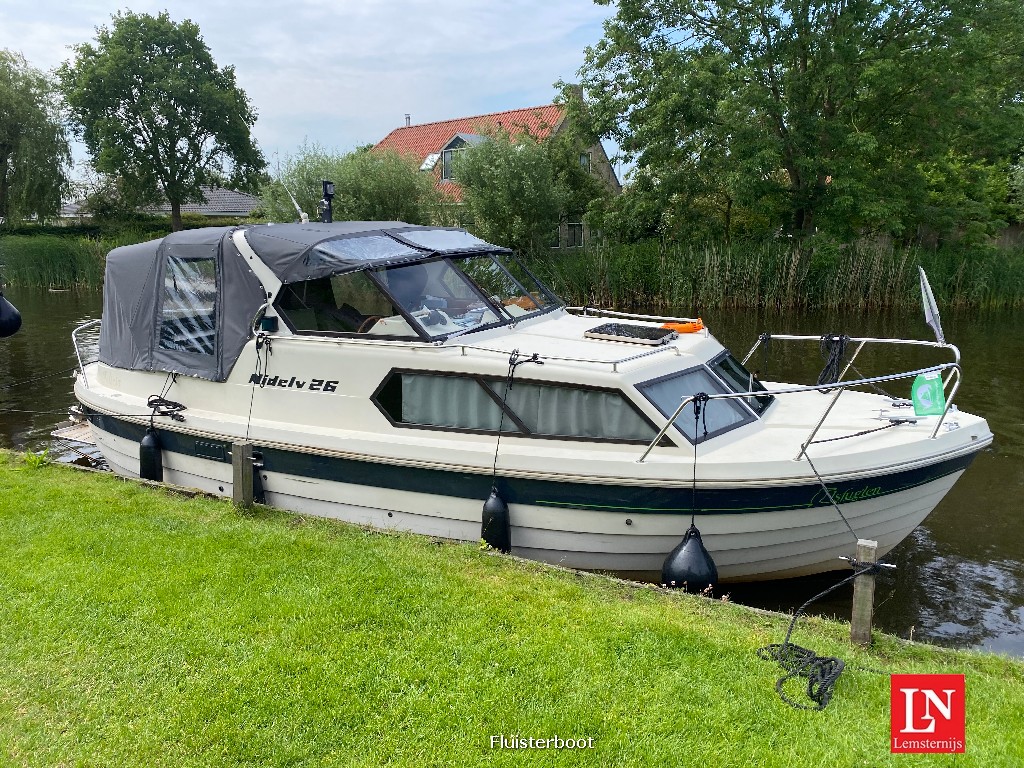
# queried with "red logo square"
point(927, 713)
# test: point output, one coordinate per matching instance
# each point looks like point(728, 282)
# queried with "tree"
point(154, 109)
point(368, 186)
point(34, 155)
point(508, 187)
point(833, 112)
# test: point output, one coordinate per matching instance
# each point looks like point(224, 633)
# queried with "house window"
point(585, 161)
point(447, 164)
point(575, 238)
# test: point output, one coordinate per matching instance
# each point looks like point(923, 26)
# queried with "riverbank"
point(144, 628)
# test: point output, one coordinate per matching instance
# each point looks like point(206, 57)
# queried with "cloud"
point(344, 73)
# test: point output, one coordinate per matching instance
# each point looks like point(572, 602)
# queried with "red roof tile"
point(422, 140)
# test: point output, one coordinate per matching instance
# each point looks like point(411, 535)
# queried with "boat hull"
point(754, 532)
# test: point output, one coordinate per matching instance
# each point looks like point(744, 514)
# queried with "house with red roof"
point(434, 145)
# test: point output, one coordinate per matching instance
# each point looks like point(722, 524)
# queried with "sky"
point(344, 73)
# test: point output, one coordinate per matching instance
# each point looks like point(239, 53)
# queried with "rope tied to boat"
point(264, 350)
point(700, 409)
point(833, 349)
point(514, 361)
point(163, 407)
point(700, 412)
point(821, 672)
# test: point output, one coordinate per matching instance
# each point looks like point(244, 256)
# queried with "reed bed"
point(49, 261)
point(56, 261)
point(656, 274)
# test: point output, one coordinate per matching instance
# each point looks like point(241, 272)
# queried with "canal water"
point(960, 577)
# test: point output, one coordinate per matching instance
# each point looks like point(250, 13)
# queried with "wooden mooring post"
point(863, 594)
point(241, 475)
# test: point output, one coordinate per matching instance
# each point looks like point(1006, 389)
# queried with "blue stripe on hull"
point(601, 497)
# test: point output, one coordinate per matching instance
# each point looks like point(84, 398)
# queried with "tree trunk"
point(176, 225)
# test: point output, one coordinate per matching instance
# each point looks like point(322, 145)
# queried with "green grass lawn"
point(142, 628)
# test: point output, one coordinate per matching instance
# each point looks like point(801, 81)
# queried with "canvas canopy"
point(182, 304)
point(186, 303)
point(297, 252)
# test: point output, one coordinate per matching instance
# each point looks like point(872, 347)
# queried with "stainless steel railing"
point(78, 353)
point(841, 386)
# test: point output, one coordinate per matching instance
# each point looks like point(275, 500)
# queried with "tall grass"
point(783, 275)
point(51, 261)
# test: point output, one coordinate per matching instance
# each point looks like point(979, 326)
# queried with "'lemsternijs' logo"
point(927, 713)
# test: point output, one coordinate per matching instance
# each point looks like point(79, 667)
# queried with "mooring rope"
point(514, 361)
point(39, 378)
point(700, 408)
point(821, 672)
point(833, 349)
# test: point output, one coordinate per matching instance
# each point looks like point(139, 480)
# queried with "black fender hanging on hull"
point(496, 526)
point(151, 461)
point(690, 566)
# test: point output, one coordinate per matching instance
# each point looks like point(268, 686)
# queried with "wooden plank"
point(78, 433)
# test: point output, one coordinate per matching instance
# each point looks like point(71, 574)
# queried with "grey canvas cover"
point(182, 304)
point(297, 252)
point(185, 303)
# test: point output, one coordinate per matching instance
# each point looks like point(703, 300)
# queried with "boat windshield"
point(461, 294)
point(429, 300)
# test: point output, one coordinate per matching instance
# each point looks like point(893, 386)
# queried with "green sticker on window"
point(927, 394)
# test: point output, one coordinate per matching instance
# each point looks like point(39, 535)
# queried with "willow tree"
point(834, 113)
point(34, 154)
point(155, 110)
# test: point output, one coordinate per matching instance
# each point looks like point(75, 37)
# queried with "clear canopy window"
point(350, 303)
point(517, 294)
point(441, 239)
point(188, 310)
point(343, 252)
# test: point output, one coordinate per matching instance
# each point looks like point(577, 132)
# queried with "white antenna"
point(931, 309)
point(303, 217)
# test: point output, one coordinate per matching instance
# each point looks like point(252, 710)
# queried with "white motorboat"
point(393, 375)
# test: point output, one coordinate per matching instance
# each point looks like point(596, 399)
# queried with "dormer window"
point(458, 143)
point(447, 163)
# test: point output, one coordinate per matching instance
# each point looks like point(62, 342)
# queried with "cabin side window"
point(718, 416)
point(188, 309)
point(555, 411)
point(531, 409)
point(739, 379)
